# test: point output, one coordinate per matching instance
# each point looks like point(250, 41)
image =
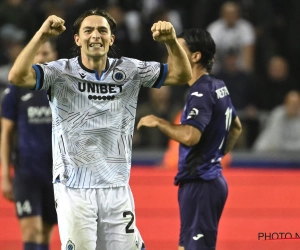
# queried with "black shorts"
point(34, 198)
point(201, 204)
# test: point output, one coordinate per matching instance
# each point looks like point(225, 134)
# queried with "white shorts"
point(96, 218)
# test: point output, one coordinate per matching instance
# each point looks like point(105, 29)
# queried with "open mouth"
point(96, 45)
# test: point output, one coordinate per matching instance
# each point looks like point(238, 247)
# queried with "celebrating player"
point(93, 100)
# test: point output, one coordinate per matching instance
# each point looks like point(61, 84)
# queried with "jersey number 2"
point(127, 229)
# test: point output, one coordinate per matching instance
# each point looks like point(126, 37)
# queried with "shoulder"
point(278, 112)
point(141, 67)
point(10, 94)
point(245, 25)
point(132, 61)
point(212, 87)
point(62, 63)
point(209, 83)
point(123, 63)
point(11, 90)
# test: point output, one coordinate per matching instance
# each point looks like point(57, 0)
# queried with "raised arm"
point(179, 68)
point(233, 135)
point(22, 74)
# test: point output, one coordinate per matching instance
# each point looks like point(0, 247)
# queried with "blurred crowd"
point(258, 47)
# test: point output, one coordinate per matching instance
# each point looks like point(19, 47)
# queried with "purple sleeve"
point(199, 109)
point(9, 104)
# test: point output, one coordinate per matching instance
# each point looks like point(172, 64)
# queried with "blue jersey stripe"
point(162, 76)
point(39, 76)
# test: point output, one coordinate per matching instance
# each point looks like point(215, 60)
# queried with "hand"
point(7, 189)
point(53, 26)
point(163, 31)
point(148, 121)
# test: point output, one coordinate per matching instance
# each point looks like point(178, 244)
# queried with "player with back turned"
point(93, 99)
point(208, 130)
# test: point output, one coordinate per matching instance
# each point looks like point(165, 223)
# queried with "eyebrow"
point(92, 27)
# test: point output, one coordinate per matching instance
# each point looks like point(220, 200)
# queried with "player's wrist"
point(41, 35)
point(172, 42)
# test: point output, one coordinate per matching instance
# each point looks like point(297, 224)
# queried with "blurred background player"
point(231, 31)
point(281, 132)
point(26, 117)
point(208, 130)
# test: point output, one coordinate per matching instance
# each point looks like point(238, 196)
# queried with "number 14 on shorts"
point(23, 208)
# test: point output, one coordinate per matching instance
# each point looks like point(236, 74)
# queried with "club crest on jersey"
point(194, 112)
point(118, 75)
point(70, 245)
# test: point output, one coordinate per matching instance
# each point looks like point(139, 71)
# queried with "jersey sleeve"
point(152, 74)
point(9, 103)
point(199, 108)
point(47, 73)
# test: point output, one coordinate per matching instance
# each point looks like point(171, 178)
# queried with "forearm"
point(178, 63)
point(183, 134)
point(5, 156)
point(231, 139)
point(22, 70)
point(169, 129)
point(22, 74)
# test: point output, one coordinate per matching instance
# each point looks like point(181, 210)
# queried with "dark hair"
point(200, 40)
point(93, 12)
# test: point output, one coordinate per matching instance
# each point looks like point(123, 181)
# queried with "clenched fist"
point(163, 31)
point(53, 26)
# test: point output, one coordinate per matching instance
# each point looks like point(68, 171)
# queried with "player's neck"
point(97, 64)
point(197, 73)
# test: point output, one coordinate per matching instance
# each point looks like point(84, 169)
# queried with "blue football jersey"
point(30, 112)
point(208, 108)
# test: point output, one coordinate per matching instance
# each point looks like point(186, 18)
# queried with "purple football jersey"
point(208, 108)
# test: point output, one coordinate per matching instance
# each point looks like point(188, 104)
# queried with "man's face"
point(230, 14)
point(45, 53)
point(94, 36)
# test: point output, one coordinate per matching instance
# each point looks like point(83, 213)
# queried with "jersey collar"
point(90, 70)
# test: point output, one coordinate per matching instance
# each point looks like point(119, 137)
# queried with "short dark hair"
point(93, 12)
point(200, 40)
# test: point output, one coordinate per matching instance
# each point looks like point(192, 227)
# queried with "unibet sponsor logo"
point(106, 91)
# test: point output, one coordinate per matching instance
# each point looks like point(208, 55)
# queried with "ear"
point(112, 39)
point(196, 56)
point(77, 40)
